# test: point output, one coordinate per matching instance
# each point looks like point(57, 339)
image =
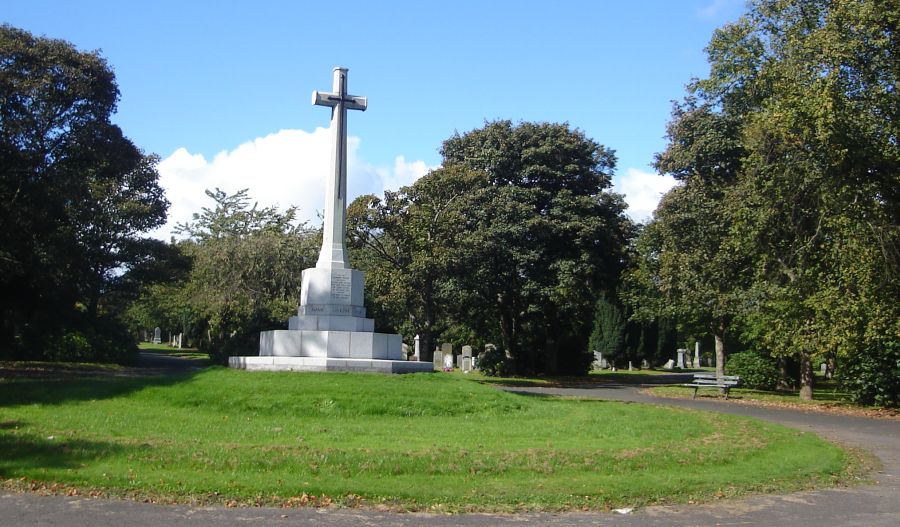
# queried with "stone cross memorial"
point(331, 331)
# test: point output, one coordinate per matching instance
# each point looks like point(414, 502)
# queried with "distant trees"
point(785, 225)
point(76, 195)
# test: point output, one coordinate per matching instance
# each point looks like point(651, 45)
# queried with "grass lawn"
point(188, 353)
point(593, 378)
point(827, 395)
point(410, 442)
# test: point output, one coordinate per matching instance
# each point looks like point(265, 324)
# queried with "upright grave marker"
point(331, 331)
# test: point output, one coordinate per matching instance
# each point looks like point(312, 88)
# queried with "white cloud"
point(643, 191)
point(286, 168)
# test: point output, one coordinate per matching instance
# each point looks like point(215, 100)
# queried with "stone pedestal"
point(330, 332)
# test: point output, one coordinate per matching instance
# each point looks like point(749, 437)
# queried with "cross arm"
point(351, 102)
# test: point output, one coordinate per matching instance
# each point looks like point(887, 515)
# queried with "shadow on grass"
point(25, 452)
point(54, 390)
point(605, 380)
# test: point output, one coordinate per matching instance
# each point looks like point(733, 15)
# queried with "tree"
point(685, 269)
point(542, 236)
point(800, 112)
point(405, 245)
point(76, 192)
point(814, 84)
point(608, 334)
point(246, 270)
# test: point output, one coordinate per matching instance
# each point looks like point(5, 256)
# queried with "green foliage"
point(76, 195)
point(786, 226)
point(244, 276)
point(755, 371)
point(542, 233)
point(507, 241)
point(106, 340)
point(608, 334)
point(493, 362)
point(873, 377)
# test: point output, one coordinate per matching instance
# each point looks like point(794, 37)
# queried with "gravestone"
point(474, 362)
point(598, 361)
point(824, 368)
point(405, 351)
point(669, 364)
point(465, 352)
point(630, 367)
point(438, 359)
point(157, 336)
point(681, 353)
point(697, 354)
point(645, 365)
point(416, 354)
point(331, 331)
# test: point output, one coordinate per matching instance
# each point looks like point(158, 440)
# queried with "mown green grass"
point(413, 442)
point(826, 393)
point(187, 353)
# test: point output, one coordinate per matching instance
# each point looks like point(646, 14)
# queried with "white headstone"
point(448, 362)
point(157, 335)
point(438, 359)
point(681, 353)
point(669, 364)
point(416, 348)
point(697, 354)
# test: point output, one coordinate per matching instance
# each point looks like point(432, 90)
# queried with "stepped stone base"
point(328, 364)
point(331, 344)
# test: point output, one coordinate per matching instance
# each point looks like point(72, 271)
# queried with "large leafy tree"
point(76, 193)
point(809, 86)
point(406, 245)
point(543, 235)
point(685, 268)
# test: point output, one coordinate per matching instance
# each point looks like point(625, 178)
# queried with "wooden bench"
point(709, 380)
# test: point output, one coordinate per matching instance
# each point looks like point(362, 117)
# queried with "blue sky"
point(221, 90)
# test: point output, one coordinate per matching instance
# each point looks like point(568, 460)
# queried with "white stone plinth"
point(335, 344)
point(328, 364)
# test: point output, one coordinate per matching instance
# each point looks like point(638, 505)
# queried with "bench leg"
point(695, 393)
point(726, 394)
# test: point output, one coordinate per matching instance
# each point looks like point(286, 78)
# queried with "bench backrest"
point(710, 378)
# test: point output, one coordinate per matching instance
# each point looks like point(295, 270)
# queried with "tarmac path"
point(873, 505)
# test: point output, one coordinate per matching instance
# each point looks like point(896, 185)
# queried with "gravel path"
point(876, 505)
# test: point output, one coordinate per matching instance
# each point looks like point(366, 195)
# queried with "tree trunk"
point(720, 354)
point(806, 376)
point(784, 381)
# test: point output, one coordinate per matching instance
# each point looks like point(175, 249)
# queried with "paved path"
point(876, 505)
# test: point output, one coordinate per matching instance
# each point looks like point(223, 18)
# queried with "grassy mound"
point(410, 442)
